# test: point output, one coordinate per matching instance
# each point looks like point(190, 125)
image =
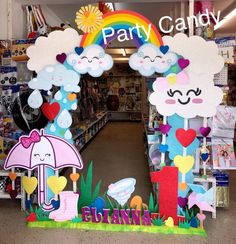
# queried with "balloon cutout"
point(57, 184)
point(25, 117)
point(184, 164)
point(51, 110)
point(122, 190)
point(185, 137)
point(29, 184)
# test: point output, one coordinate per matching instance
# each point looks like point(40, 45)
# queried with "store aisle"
point(118, 152)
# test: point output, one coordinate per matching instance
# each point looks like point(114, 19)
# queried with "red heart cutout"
point(13, 194)
point(32, 217)
point(185, 137)
point(51, 110)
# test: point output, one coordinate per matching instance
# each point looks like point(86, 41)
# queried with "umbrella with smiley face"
point(40, 150)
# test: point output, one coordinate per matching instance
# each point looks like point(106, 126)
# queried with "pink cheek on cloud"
point(100, 62)
point(79, 62)
point(141, 61)
point(170, 101)
point(163, 61)
point(197, 100)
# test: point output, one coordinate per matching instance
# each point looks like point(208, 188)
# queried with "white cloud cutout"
point(149, 59)
point(203, 55)
point(57, 75)
point(92, 60)
point(197, 98)
point(45, 49)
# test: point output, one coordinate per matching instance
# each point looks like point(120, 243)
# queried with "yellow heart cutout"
point(12, 176)
point(71, 96)
point(29, 184)
point(169, 222)
point(57, 184)
point(171, 79)
point(184, 163)
point(74, 176)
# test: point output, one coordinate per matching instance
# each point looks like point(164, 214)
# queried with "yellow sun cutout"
point(88, 18)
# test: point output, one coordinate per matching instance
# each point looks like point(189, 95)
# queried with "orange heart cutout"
point(183, 186)
point(71, 96)
point(12, 176)
point(74, 176)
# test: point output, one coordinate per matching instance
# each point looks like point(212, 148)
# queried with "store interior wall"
point(58, 11)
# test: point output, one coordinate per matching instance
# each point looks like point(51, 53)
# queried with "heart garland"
point(205, 131)
point(61, 58)
point(185, 137)
point(51, 110)
point(164, 128)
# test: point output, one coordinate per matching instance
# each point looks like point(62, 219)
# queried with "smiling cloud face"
point(149, 59)
point(42, 153)
point(198, 97)
point(56, 75)
point(92, 60)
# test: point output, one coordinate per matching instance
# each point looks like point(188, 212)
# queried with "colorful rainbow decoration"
point(123, 19)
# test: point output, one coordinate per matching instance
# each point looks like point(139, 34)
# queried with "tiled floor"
point(117, 152)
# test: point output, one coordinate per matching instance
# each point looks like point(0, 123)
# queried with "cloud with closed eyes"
point(197, 96)
point(149, 59)
point(92, 60)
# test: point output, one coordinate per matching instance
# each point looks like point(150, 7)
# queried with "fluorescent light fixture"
point(111, 6)
point(120, 59)
point(225, 19)
point(123, 52)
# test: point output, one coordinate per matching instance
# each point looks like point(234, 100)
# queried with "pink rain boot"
point(71, 210)
point(62, 207)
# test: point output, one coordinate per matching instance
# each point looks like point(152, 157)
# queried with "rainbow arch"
point(123, 19)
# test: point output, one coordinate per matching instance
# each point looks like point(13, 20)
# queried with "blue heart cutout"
point(164, 49)
point(163, 148)
point(79, 50)
point(204, 156)
point(55, 204)
point(27, 204)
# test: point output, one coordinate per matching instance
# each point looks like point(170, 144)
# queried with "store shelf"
point(125, 115)
point(5, 195)
point(90, 131)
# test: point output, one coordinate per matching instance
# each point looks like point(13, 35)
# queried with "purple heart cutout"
point(182, 201)
point(164, 129)
point(13, 194)
point(183, 63)
point(61, 58)
point(205, 131)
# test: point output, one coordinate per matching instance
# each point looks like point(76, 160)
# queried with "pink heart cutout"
point(201, 217)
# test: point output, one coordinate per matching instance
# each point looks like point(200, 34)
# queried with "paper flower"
point(88, 18)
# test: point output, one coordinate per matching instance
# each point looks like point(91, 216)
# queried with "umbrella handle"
point(42, 189)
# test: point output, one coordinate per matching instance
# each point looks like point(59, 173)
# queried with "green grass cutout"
point(184, 224)
point(118, 228)
point(159, 221)
point(87, 195)
point(41, 215)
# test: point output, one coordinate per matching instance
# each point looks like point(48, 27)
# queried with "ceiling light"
point(225, 19)
point(111, 6)
point(123, 52)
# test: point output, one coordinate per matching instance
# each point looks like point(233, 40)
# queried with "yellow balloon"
point(184, 163)
point(57, 184)
point(29, 184)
